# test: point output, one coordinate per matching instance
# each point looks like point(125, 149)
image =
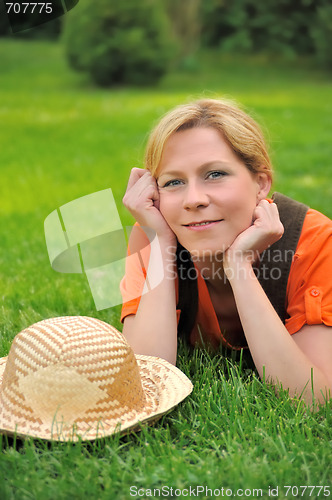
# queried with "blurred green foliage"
point(285, 27)
point(185, 20)
point(321, 33)
point(136, 42)
point(120, 42)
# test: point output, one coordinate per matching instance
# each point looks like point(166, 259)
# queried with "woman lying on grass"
point(224, 254)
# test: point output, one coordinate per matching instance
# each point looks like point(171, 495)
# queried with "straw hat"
point(75, 377)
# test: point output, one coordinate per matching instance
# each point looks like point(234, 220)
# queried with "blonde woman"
point(233, 272)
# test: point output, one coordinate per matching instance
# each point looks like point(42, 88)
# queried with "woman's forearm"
point(274, 352)
point(153, 329)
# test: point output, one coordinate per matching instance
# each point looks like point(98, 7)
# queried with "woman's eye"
point(216, 174)
point(174, 182)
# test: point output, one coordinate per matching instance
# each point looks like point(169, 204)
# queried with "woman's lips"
point(200, 226)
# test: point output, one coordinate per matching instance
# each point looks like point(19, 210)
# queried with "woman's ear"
point(263, 185)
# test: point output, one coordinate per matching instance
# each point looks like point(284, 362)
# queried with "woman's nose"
point(195, 196)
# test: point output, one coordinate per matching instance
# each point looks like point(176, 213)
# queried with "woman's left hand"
point(265, 230)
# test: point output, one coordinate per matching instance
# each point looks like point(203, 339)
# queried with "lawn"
point(61, 139)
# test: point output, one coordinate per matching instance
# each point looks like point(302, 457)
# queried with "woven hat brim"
point(164, 386)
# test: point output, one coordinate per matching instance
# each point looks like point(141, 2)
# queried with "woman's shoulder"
point(314, 247)
point(316, 230)
point(310, 222)
point(309, 288)
point(314, 218)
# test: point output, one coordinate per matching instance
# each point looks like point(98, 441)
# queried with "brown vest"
point(275, 262)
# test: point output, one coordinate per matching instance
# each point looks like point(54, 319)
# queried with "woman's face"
point(207, 195)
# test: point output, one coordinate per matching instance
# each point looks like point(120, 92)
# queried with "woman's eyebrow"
point(214, 163)
point(209, 164)
point(172, 174)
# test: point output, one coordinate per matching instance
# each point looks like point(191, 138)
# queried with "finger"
point(274, 208)
point(259, 210)
point(156, 200)
point(148, 191)
point(272, 212)
point(135, 175)
point(146, 187)
point(266, 208)
point(144, 192)
point(263, 214)
point(267, 216)
point(264, 204)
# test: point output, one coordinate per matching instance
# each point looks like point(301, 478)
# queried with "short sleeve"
point(309, 289)
point(137, 280)
point(133, 283)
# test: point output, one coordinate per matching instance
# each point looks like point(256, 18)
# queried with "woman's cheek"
point(245, 217)
point(166, 207)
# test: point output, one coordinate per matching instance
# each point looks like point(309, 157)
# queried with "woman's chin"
point(207, 254)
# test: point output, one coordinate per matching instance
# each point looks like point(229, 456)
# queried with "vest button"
point(314, 292)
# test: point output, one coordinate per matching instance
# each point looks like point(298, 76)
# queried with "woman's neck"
point(213, 273)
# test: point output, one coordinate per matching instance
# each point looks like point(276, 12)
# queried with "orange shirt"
point(309, 288)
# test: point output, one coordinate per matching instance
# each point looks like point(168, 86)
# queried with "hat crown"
point(71, 370)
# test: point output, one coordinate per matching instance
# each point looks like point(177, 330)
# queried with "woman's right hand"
point(142, 201)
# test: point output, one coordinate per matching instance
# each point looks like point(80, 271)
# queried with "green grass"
point(61, 139)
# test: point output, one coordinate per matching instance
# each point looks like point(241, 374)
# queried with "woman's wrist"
point(238, 266)
point(165, 238)
point(167, 244)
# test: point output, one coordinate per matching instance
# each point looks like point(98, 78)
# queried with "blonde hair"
point(241, 132)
